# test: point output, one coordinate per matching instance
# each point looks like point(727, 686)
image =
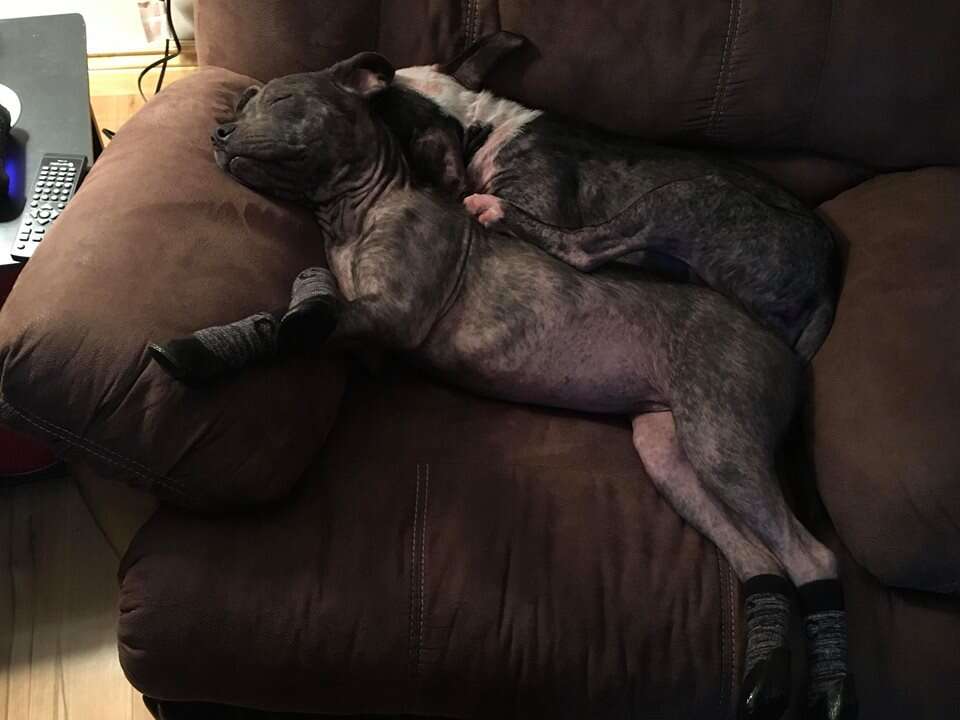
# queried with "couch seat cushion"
point(445, 556)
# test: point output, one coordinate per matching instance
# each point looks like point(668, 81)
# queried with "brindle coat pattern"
point(590, 198)
point(417, 275)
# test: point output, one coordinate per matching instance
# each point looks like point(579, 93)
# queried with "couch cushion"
point(269, 38)
point(159, 242)
point(865, 80)
point(445, 556)
point(887, 381)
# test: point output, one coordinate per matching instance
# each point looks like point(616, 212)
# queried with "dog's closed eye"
point(274, 101)
point(247, 95)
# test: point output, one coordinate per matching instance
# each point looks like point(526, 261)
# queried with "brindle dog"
point(590, 198)
point(709, 390)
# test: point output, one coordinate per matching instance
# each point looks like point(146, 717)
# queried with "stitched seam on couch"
point(729, 664)
point(732, 605)
point(815, 101)
point(469, 10)
point(418, 572)
point(413, 573)
point(423, 564)
point(729, 43)
point(106, 455)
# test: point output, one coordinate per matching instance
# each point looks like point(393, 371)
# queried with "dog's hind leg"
point(766, 686)
point(731, 406)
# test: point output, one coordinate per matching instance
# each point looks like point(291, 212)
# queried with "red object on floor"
point(19, 453)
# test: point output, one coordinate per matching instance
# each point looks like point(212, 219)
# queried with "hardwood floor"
point(58, 592)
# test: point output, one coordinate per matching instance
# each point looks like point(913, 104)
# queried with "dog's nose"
point(221, 134)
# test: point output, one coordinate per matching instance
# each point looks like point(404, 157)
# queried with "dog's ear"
point(365, 74)
point(471, 66)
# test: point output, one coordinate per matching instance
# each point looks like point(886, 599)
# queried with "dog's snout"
point(223, 132)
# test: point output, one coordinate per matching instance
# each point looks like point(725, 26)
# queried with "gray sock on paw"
point(243, 342)
point(314, 283)
point(827, 641)
point(825, 626)
point(767, 609)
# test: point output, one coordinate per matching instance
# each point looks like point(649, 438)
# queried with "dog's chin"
point(256, 176)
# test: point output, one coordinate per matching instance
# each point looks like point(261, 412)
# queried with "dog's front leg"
point(319, 315)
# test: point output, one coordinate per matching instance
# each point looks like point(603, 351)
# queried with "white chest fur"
point(506, 118)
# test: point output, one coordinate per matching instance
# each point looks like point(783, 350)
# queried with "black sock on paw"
point(314, 283)
point(767, 609)
point(243, 342)
point(313, 314)
point(825, 626)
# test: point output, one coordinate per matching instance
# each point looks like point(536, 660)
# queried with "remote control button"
point(33, 213)
point(42, 221)
point(33, 203)
point(61, 205)
point(44, 213)
point(24, 235)
point(45, 196)
point(23, 247)
point(28, 222)
point(39, 231)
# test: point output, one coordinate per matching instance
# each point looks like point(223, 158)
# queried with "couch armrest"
point(157, 243)
point(887, 384)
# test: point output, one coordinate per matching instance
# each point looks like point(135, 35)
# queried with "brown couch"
point(332, 543)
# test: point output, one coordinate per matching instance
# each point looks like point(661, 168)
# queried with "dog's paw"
point(487, 209)
point(315, 281)
point(765, 694)
point(838, 703)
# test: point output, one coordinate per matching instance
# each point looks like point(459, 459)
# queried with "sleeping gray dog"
point(708, 389)
point(590, 197)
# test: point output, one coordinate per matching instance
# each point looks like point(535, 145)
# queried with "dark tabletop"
point(44, 60)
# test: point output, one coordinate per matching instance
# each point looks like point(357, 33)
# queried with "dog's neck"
point(360, 186)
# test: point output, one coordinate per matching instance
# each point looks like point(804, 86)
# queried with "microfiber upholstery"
point(446, 556)
point(864, 80)
point(158, 242)
point(887, 381)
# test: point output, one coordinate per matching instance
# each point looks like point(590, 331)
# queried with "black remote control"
point(56, 183)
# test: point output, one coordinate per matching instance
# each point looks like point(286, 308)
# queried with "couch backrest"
point(870, 80)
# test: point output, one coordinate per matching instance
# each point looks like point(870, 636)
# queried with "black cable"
point(167, 56)
point(163, 67)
